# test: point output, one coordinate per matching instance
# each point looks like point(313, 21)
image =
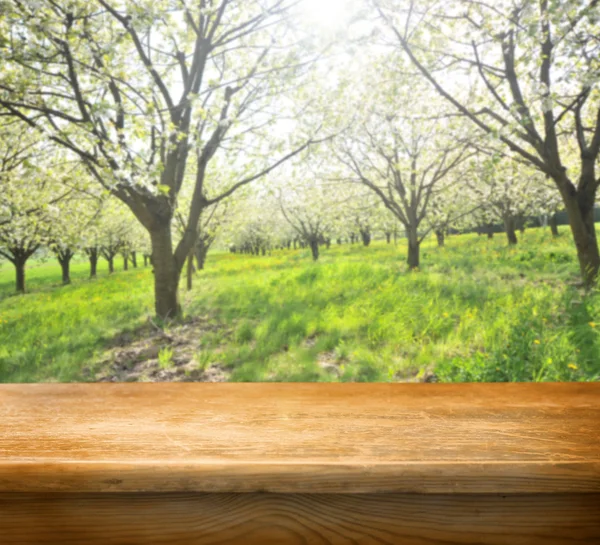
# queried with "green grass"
point(53, 332)
point(476, 311)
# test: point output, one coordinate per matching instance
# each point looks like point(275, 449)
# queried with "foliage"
point(167, 128)
point(136, 91)
point(526, 78)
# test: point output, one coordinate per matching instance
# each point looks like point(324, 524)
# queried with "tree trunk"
point(414, 248)
point(166, 273)
point(145, 260)
point(65, 265)
point(201, 251)
point(388, 237)
point(93, 266)
point(580, 210)
point(190, 270)
point(413, 255)
point(554, 225)
point(489, 230)
point(365, 237)
point(314, 248)
point(395, 237)
point(134, 259)
point(20, 270)
point(111, 265)
point(509, 227)
point(441, 239)
point(125, 262)
point(93, 259)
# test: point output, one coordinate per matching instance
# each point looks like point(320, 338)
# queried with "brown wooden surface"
point(298, 519)
point(326, 438)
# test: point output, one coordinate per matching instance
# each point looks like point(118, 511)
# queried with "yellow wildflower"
point(592, 324)
point(537, 341)
point(572, 366)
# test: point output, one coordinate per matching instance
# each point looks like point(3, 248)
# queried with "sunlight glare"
point(326, 13)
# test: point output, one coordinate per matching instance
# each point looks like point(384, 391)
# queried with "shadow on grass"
point(302, 320)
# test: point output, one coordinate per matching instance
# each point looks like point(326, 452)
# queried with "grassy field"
point(476, 311)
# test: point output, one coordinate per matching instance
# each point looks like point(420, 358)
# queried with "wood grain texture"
point(297, 519)
point(299, 438)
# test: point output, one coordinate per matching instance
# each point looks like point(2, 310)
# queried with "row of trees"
point(313, 215)
point(317, 215)
point(437, 112)
point(154, 97)
point(526, 80)
point(50, 207)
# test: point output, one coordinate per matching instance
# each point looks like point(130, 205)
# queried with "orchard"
point(268, 190)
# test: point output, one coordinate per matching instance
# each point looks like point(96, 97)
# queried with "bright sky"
point(326, 13)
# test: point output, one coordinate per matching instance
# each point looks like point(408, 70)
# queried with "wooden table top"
point(292, 438)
